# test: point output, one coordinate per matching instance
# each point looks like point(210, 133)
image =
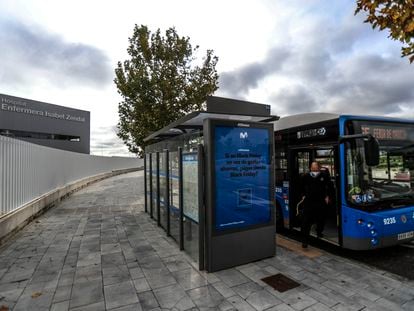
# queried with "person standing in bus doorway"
point(315, 197)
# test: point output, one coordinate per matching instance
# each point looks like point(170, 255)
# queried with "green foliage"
point(160, 83)
point(395, 15)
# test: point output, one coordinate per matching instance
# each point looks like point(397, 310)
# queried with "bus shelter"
point(209, 183)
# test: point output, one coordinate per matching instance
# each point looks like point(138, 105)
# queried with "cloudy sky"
point(296, 55)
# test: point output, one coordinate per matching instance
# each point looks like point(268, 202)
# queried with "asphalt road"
point(397, 259)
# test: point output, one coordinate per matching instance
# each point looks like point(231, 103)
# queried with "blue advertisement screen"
point(242, 177)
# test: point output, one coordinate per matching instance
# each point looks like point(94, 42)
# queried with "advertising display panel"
point(240, 225)
point(242, 177)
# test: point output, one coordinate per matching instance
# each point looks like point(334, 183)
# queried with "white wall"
point(28, 171)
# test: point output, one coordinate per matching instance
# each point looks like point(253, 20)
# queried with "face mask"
point(314, 174)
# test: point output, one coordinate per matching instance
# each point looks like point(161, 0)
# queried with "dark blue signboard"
point(242, 177)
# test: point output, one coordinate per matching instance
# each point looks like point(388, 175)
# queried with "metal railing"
point(28, 171)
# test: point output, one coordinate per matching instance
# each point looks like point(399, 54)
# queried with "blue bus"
point(370, 161)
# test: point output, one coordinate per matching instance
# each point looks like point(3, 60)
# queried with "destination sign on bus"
point(385, 132)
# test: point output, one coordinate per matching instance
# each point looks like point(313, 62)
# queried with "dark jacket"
point(315, 189)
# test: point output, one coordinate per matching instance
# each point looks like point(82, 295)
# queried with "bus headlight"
point(370, 225)
point(373, 232)
point(360, 222)
point(374, 241)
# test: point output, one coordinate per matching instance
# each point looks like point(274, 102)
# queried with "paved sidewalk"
point(98, 250)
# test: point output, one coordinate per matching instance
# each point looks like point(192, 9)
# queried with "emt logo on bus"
point(311, 133)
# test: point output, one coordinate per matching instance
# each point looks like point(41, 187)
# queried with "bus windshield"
point(390, 184)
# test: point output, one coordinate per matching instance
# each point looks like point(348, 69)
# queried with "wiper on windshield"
point(399, 197)
point(402, 149)
point(407, 195)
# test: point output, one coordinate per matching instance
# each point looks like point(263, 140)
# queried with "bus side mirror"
point(371, 148)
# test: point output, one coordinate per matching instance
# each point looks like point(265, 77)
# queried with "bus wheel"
point(279, 219)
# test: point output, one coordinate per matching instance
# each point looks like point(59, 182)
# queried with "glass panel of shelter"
point(163, 189)
point(147, 182)
point(190, 204)
point(168, 170)
point(174, 196)
point(154, 185)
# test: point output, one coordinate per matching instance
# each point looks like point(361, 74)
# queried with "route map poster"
point(190, 186)
point(242, 177)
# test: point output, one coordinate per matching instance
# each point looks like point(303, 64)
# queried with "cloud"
point(32, 54)
point(104, 141)
point(290, 100)
point(372, 84)
point(332, 65)
point(247, 77)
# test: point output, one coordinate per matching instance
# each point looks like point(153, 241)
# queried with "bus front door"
point(299, 165)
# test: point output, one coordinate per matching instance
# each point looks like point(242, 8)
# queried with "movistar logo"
point(243, 135)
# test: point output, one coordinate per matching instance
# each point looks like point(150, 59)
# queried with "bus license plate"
point(405, 235)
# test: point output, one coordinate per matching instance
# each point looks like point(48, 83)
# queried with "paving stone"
point(226, 306)
point(110, 248)
point(18, 274)
point(157, 278)
point(299, 301)
point(316, 286)
point(62, 293)
point(232, 277)
point(359, 300)
point(176, 263)
point(348, 307)
point(239, 304)
point(86, 293)
point(89, 259)
point(141, 285)
point(246, 289)
point(206, 297)
point(408, 305)
point(120, 294)
point(116, 274)
point(189, 278)
point(133, 307)
point(136, 273)
point(112, 260)
point(387, 304)
point(396, 296)
point(210, 277)
point(98, 306)
point(88, 273)
point(34, 300)
point(254, 272)
point(327, 299)
point(173, 297)
point(262, 300)
point(338, 288)
point(10, 292)
point(66, 279)
point(223, 289)
point(318, 307)
point(60, 306)
point(281, 307)
point(147, 300)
